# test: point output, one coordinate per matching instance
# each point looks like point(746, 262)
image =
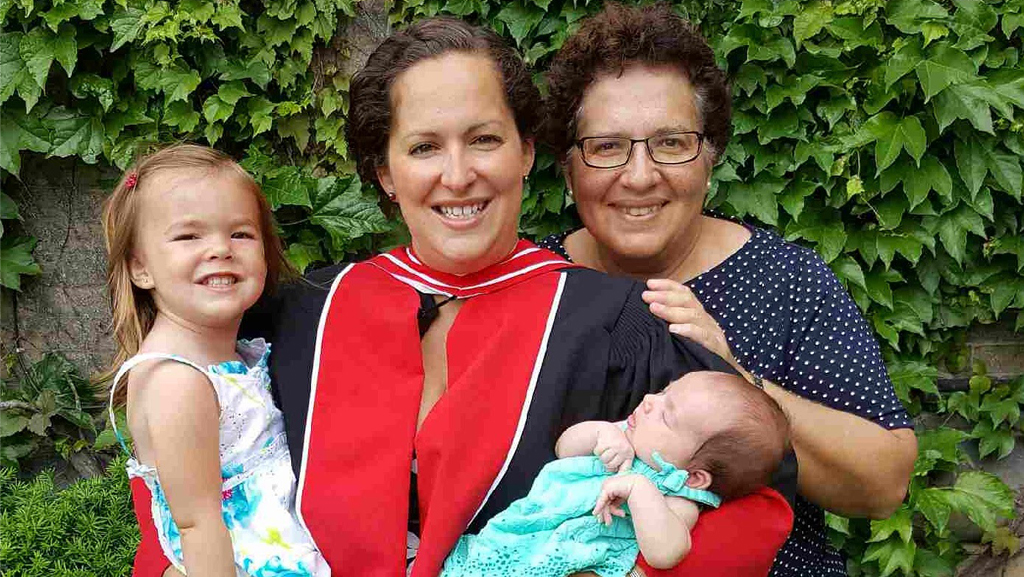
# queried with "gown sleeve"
point(149, 557)
point(740, 538)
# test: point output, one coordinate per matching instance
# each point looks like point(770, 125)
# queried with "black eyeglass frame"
point(647, 145)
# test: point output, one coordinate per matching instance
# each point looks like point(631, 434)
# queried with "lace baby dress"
point(258, 490)
point(551, 532)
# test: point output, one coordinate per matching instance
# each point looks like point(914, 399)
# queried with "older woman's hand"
point(676, 303)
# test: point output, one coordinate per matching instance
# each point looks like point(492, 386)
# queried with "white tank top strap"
point(129, 365)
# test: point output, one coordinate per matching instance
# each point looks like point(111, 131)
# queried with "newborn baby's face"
point(676, 421)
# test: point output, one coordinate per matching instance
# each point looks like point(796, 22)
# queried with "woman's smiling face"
point(642, 210)
point(456, 162)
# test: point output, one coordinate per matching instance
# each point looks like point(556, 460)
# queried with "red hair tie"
point(131, 180)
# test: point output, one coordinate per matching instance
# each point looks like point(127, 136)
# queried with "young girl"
point(191, 246)
point(729, 435)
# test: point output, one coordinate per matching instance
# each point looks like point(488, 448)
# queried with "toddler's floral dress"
point(258, 490)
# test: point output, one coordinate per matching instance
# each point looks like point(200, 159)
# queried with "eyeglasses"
point(615, 151)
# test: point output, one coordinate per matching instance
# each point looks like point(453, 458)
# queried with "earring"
point(391, 195)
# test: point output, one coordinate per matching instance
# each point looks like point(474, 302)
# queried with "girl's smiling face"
point(456, 162)
point(198, 248)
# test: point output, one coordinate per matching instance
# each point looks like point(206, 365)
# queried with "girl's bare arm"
point(182, 420)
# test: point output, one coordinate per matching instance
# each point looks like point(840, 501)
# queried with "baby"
point(706, 437)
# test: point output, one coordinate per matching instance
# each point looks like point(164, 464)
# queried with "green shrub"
point(87, 529)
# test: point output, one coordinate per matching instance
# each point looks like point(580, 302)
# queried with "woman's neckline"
point(743, 247)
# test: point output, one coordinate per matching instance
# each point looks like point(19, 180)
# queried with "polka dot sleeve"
point(833, 357)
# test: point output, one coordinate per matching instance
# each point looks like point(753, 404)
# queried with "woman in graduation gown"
point(424, 389)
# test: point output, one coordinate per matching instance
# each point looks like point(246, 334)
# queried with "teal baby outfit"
point(552, 532)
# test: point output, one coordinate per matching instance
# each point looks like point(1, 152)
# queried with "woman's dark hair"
point(369, 121)
point(619, 36)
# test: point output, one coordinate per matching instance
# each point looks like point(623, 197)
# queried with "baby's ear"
point(699, 479)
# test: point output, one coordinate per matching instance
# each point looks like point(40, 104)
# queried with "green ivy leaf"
point(254, 70)
point(85, 85)
point(878, 288)
point(72, 133)
point(945, 65)
point(810, 20)
point(953, 228)
point(934, 504)
point(895, 136)
point(215, 109)
point(890, 211)
point(974, 18)
point(10, 146)
point(929, 564)
point(903, 61)
point(891, 244)
point(916, 375)
point(127, 23)
point(792, 199)
point(16, 260)
point(757, 198)
point(1001, 410)
point(260, 110)
point(288, 186)
point(967, 102)
point(301, 255)
point(520, 19)
point(917, 182)
point(232, 92)
point(824, 228)
point(345, 212)
point(1013, 245)
point(792, 88)
point(181, 115)
point(275, 32)
point(295, 127)
point(898, 522)
point(37, 52)
point(774, 48)
point(1005, 169)
point(983, 497)
point(65, 48)
point(178, 83)
point(970, 161)
point(781, 123)
point(892, 554)
point(975, 159)
point(60, 13)
point(227, 15)
point(1009, 84)
point(8, 209)
point(213, 132)
point(908, 15)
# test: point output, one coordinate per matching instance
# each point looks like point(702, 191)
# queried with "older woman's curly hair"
point(619, 36)
point(370, 111)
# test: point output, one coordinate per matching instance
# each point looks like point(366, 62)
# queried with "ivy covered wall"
point(888, 136)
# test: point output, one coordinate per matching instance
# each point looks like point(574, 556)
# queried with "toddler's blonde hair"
point(133, 308)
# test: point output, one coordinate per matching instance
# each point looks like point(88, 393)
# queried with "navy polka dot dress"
point(788, 319)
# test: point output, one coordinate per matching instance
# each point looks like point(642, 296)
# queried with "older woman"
point(641, 113)
point(424, 389)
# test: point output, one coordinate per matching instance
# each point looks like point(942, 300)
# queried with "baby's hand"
point(614, 493)
point(614, 449)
